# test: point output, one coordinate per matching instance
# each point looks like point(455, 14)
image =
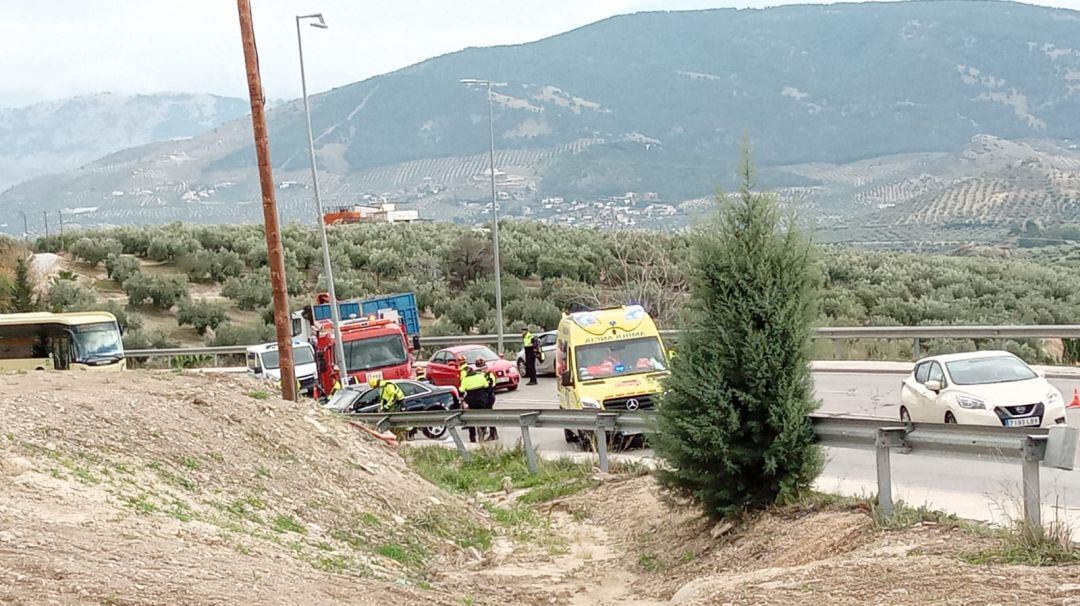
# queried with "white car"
point(980, 388)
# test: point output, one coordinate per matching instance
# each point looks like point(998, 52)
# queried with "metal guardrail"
point(839, 334)
point(187, 351)
point(1055, 447)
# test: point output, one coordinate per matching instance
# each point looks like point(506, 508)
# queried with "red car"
point(443, 367)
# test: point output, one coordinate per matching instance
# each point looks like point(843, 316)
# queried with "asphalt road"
point(974, 489)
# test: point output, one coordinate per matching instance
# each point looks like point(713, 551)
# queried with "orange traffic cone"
point(1076, 399)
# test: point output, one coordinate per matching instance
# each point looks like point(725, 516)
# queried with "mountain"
point(941, 199)
point(57, 136)
point(654, 103)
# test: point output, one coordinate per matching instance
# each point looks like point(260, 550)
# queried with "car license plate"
point(503, 380)
point(375, 374)
point(1024, 422)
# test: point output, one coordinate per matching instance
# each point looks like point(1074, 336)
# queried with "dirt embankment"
point(157, 488)
point(624, 544)
point(143, 488)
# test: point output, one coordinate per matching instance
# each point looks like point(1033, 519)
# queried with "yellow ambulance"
point(609, 359)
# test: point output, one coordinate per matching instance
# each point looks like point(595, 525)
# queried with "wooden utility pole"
point(282, 323)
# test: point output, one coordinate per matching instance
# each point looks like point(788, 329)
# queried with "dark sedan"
point(418, 397)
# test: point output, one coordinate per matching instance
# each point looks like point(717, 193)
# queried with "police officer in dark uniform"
point(528, 341)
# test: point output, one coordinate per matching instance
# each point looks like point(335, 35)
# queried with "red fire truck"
point(373, 347)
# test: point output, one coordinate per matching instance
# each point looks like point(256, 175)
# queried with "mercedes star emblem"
point(632, 404)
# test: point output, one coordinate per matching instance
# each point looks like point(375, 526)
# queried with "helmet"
point(373, 381)
point(480, 362)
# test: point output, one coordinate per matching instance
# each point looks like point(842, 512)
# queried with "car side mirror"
point(933, 385)
point(416, 342)
point(502, 355)
point(566, 380)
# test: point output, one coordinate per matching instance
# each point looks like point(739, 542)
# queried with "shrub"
point(466, 313)
point(154, 338)
point(168, 246)
point(733, 422)
point(121, 267)
point(128, 320)
point(533, 312)
point(96, 250)
point(201, 315)
point(161, 291)
point(229, 334)
point(249, 292)
point(68, 295)
point(469, 259)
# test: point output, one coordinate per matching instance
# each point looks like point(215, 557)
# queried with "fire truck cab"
point(373, 346)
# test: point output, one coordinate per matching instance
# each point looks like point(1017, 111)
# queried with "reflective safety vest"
point(391, 395)
point(527, 339)
point(473, 380)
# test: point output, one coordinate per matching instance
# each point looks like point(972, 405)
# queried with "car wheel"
point(434, 433)
point(512, 387)
point(437, 432)
point(949, 418)
point(905, 416)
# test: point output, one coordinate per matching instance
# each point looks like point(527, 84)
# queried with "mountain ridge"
point(62, 134)
point(647, 102)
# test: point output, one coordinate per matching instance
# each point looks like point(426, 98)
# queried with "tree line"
point(547, 270)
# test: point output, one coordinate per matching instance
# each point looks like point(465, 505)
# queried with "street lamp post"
point(335, 313)
point(494, 203)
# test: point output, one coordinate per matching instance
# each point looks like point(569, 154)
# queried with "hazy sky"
point(60, 48)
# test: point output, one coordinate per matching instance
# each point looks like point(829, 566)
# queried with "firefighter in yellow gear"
point(391, 398)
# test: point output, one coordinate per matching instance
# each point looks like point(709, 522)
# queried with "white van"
point(263, 362)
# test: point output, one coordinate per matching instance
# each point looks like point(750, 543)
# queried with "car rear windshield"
point(980, 371)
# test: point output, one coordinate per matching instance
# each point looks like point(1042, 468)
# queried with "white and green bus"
point(65, 341)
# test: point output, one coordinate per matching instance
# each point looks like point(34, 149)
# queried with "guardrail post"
point(604, 422)
point(886, 439)
point(917, 350)
point(527, 420)
point(1034, 451)
point(839, 345)
point(452, 424)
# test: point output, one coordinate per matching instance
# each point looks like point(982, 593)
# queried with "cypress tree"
point(22, 290)
point(733, 425)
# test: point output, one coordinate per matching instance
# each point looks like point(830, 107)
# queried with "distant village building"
point(382, 213)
